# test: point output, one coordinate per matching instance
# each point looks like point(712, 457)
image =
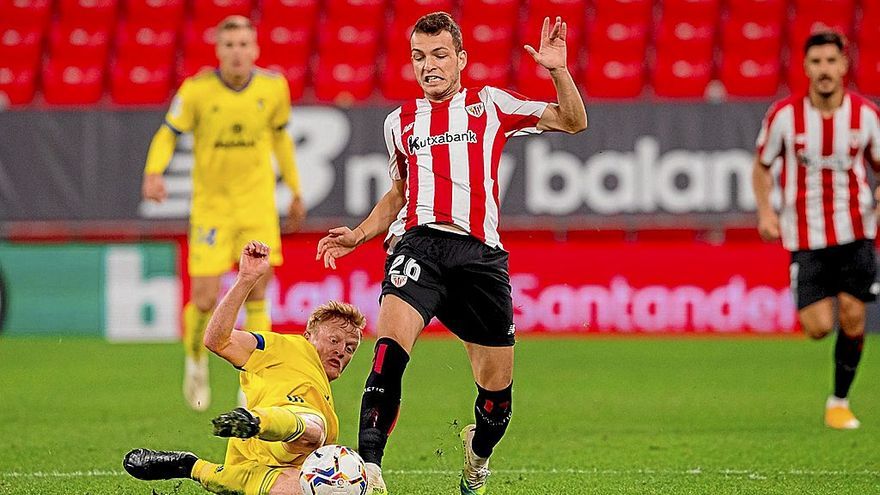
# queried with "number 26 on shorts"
point(411, 270)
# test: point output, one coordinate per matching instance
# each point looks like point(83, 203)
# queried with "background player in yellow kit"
point(286, 378)
point(238, 115)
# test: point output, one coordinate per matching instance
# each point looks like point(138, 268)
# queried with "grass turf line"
point(610, 416)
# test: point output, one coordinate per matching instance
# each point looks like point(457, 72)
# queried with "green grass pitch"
point(591, 416)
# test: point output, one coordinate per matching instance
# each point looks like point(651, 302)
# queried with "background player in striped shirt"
point(444, 153)
point(238, 115)
point(812, 152)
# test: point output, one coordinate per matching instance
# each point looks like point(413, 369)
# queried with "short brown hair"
point(437, 22)
point(234, 22)
point(337, 310)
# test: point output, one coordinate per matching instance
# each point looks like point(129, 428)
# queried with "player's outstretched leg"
point(146, 464)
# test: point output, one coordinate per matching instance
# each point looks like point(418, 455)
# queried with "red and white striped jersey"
point(449, 152)
point(821, 179)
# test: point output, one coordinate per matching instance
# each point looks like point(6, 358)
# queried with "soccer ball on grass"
point(333, 470)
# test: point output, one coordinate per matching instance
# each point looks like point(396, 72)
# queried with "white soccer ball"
point(333, 470)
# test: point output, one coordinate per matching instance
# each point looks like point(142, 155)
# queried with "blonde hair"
point(234, 22)
point(337, 310)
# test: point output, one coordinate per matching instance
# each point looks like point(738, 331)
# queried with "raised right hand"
point(153, 188)
point(338, 243)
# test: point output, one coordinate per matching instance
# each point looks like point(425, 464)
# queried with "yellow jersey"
point(285, 370)
point(233, 178)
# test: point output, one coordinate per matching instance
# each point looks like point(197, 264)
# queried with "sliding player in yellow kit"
point(238, 115)
point(286, 378)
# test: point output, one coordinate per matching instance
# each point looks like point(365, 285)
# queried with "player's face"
point(825, 66)
point(335, 340)
point(437, 65)
point(237, 51)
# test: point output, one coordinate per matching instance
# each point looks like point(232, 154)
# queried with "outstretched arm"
point(343, 240)
point(569, 114)
point(220, 338)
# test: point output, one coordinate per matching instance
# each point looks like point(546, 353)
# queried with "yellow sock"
point(257, 316)
point(194, 323)
point(250, 478)
point(279, 424)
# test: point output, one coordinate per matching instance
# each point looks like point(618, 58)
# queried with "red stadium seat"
point(504, 12)
point(697, 11)
point(85, 46)
point(398, 81)
point(573, 12)
point(20, 44)
point(478, 74)
point(145, 44)
point(289, 13)
point(803, 26)
point(214, 11)
point(750, 74)
point(624, 10)
point(71, 83)
point(868, 72)
point(193, 66)
point(488, 43)
point(89, 12)
point(361, 12)
point(685, 37)
point(17, 84)
point(757, 10)
point(868, 30)
point(677, 75)
point(22, 13)
point(156, 13)
point(870, 11)
point(285, 45)
point(342, 82)
point(295, 75)
point(751, 36)
point(610, 76)
point(354, 40)
point(534, 81)
point(199, 42)
point(795, 77)
point(133, 83)
point(411, 10)
point(627, 39)
point(838, 9)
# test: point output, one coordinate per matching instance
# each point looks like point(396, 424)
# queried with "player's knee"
point(816, 329)
point(204, 300)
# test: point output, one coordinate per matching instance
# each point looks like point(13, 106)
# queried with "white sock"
point(836, 402)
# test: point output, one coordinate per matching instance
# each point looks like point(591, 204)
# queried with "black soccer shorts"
point(820, 273)
point(458, 279)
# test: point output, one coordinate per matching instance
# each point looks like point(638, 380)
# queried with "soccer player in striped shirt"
point(444, 152)
point(812, 153)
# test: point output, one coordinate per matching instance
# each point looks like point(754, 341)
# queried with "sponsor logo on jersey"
point(238, 143)
point(415, 143)
point(475, 110)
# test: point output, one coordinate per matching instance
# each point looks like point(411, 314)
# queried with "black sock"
point(847, 353)
point(492, 411)
point(381, 400)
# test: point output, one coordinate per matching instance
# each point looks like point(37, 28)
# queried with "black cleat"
point(146, 464)
point(238, 422)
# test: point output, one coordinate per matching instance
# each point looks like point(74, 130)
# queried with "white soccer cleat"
point(196, 389)
point(476, 468)
point(375, 483)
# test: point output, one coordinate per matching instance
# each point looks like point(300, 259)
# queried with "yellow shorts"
point(273, 454)
point(215, 247)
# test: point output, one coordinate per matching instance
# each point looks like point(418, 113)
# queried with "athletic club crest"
point(398, 279)
point(475, 110)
